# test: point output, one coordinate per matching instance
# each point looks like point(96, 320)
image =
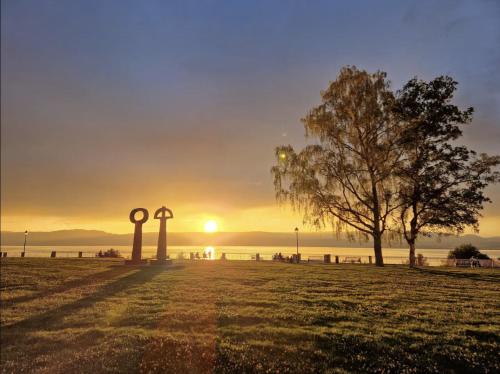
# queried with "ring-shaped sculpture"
point(137, 246)
point(144, 218)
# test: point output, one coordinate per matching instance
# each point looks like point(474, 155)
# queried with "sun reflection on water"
point(210, 253)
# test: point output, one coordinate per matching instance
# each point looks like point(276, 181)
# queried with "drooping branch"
point(347, 176)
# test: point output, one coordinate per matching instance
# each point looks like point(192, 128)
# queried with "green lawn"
point(70, 315)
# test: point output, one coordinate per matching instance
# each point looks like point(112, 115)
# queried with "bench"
point(463, 263)
point(471, 263)
point(352, 260)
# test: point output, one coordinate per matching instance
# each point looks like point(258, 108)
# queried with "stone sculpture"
point(137, 246)
point(161, 251)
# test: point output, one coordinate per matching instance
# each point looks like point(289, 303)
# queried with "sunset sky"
point(112, 105)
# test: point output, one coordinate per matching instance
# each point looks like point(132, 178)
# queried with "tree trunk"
point(377, 235)
point(412, 253)
point(377, 247)
point(413, 234)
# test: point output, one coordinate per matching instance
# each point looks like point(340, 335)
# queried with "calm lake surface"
point(391, 255)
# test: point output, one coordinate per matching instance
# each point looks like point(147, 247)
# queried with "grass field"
point(69, 316)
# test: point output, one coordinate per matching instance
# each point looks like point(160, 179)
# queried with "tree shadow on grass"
point(462, 275)
point(53, 318)
point(403, 354)
point(75, 283)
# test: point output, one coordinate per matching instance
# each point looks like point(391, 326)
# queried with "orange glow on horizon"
point(268, 218)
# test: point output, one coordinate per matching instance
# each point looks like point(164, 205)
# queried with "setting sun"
point(210, 226)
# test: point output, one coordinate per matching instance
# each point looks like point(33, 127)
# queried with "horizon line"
point(226, 232)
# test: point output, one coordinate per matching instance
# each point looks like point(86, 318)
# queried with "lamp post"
point(25, 238)
point(297, 239)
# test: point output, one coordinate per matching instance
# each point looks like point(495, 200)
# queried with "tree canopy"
point(441, 184)
point(380, 163)
point(345, 177)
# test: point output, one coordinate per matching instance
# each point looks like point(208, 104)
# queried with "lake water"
point(391, 255)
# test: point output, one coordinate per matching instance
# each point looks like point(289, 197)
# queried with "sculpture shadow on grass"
point(67, 286)
point(52, 319)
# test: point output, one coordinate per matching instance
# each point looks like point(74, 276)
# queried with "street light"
point(25, 238)
point(297, 238)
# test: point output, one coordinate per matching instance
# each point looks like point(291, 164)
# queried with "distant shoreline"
point(392, 255)
point(308, 239)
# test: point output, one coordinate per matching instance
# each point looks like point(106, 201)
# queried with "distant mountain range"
point(308, 239)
